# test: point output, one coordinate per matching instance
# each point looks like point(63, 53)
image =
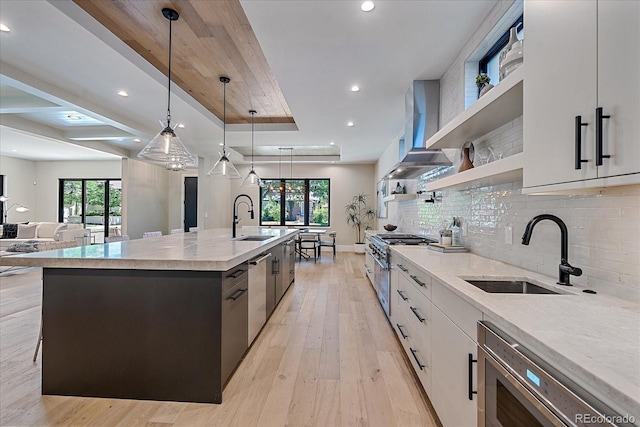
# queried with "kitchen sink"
point(510, 287)
point(253, 238)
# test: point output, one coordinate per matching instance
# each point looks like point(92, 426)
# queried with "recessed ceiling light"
point(221, 144)
point(367, 6)
point(350, 124)
point(74, 117)
point(181, 126)
point(4, 28)
point(332, 143)
point(355, 88)
point(123, 93)
point(14, 151)
point(333, 163)
point(136, 140)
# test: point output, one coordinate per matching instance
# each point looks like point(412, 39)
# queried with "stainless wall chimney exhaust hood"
point(422, 111)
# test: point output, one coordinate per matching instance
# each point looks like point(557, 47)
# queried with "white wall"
point(346, 181)
point(145, 198)
point(19, 179)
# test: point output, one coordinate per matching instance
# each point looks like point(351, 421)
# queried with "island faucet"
point(565, 270)
point(235, 211)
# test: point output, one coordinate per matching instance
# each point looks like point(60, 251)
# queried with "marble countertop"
point(593, 339)
point(212, 250)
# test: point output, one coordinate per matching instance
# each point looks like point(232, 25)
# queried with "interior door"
point(190, 202)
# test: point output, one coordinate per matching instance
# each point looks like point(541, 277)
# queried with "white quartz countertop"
point(203, 250)
point(593, 339)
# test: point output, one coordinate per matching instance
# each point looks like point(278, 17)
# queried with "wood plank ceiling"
point(210, 39)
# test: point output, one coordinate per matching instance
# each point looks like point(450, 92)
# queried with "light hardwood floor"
point(326, 357)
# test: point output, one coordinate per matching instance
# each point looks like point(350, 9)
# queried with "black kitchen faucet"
point(235, 214)
point(565, 270)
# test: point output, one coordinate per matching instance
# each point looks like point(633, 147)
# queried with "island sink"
point(510, 287)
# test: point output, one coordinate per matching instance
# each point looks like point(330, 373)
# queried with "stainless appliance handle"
point(384, 267)
point(524, 392)
point(259, 260)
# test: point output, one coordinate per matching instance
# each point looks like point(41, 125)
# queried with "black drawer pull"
point(420, 365)
point(578, 142)
point(401, 295)
point(599, 155)
point(421, 319)
point(236, 274)
point(401, 333)
point(471, 362)
point(415, 279)
point(237, 294)
point(402, 267)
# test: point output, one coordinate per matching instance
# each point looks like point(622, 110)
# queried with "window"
point(291, 202)
point(97, 203)
point(490, 63)
point(2, 203)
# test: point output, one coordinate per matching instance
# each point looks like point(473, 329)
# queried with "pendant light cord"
point(169, 84)
point(224, 119)
point(252, 114)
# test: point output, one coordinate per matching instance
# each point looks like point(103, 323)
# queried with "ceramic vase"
point(466, 161)
point(486, 88)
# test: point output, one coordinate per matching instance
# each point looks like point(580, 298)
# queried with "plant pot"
point(358, 248)
point(486, 88)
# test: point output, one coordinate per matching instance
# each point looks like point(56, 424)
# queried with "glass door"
point(115, 208)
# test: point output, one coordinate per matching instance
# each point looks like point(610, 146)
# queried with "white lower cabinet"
point(437, 329)
point(454, 376)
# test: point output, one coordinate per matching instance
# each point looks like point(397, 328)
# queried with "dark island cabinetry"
point(143, 334)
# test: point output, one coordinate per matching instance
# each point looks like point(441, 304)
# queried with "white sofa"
point(51, 232)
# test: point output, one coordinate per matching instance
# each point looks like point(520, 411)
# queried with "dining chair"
point(111, 239)
point(177, 231)
point(329, 241)
point(306, 242)
point(192, 229)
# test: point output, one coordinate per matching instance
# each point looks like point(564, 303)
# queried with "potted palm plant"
point(359, 215)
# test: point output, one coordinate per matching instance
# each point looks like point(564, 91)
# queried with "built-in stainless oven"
point(381, 282)
point(517, 388)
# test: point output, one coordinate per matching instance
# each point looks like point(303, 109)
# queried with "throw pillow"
point(28, 246)
point(9, 231)
point(26, 231)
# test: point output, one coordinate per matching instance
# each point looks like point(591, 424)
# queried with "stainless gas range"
point(379, 250)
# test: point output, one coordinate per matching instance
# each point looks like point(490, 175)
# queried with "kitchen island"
point(162, 318)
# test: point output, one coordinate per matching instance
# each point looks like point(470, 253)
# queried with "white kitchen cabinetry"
point(437, 330)
point(453, 356)
point(581, 56)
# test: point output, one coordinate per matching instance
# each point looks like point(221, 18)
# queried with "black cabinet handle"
point(599, 155)
point(420, 365)
point(236, 274)
point(276, 266)
point(420, 318)
point(578, 137)
point(402, 267)
point(471, 362)
point(237, 294)
point(401, 333)
point(401, 295)
point(415, 279)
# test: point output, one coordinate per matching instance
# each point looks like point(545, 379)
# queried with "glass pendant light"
point(166, 147)
point(223, 167)
point(252, 179)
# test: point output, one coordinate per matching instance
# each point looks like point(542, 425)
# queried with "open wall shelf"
point(497, 107)
point(501, 171)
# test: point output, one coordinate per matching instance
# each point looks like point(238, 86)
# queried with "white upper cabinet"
point(581, 56)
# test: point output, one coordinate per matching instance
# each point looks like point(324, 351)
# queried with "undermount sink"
point(253, 238)
point(510, 287)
